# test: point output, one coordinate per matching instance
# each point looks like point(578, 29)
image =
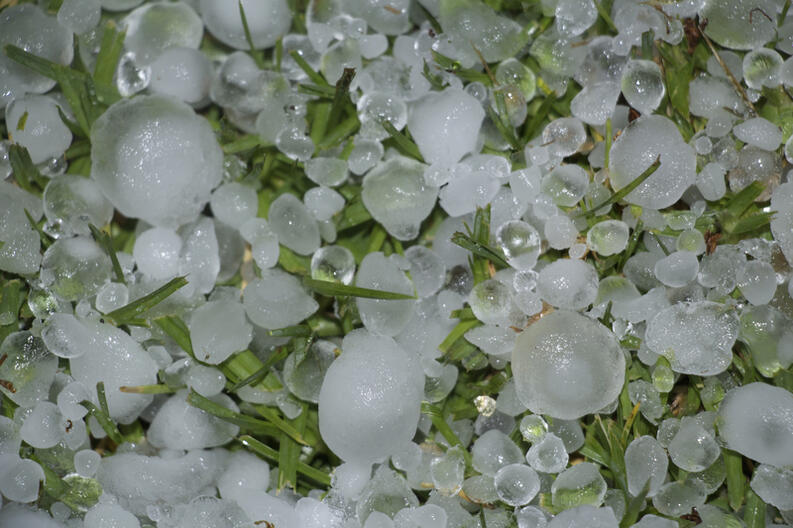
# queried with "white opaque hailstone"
point(365, 154)
point(21, 515)
point(643, 85)
point(608, 237)
point(759, 132)
point(573, 17)
point(677, 498)
point(427, 270)
point(86, 462)
point(493, 340)
point(156, 252)
point(111, 296)
point(638, 147)
point(234, 204)
point(34, 123)
point(264, 243)
point(397, 196)
point(44, 426)
point(492, 451)
point(710, 181)
point(20, 480)
point(71, 202)
point(516, 484)
point(564, 136)
point(293, 142)
point(370, 398)
point(155, 27)
point(294, 225)
point(467, 191)
point(329, 172)
point(349, 478)
point(115, 359)
point(374, 107)
point(756, 420)
point(28, 27)
point(155, 159)
point(75, 268)
point(569, 284)
point(566, 365)
point(491, 301)
point(693, 448)
point(782, 222)
point(277, 300)
point(323, 202)
point(207, 381)
point(69, 399)
point(577, 485)
point(199, 261)
point(520, 243)
point(79, 16)
point(243, 471)
point(267, 21)
point(645, 460)
point(20, 250)
point(380, 316)
point(182, 72)
point(179, 425)
point(677, 269)
point(696, 337)
point(104, 515)
point(774, 485)
point(445, 125)
point(218, 329)
point(757, 282)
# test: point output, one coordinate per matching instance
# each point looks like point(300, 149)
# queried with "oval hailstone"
point(277, 300)
point(567, 365)
point(370, 398)
point(756, 420)
point(696, 337)
point(155, 159)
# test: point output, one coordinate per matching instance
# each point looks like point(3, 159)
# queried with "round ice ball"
point(155, 159)
point(370, 399)
point(568, 283)
point(567, 365)
point(184, 73)
point(35, 124)
point(267, 21)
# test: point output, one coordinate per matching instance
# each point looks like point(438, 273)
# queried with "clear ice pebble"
point(696, 337)
point(277, 300)
point(28, 27)
point(21, 243)
point(567, 365)
point(448, 471)
point(71, 202)
point(757, 282)
point(154, 27)
point(323, 202)
point(20, 482)
point(65, 335)
point(645, 461)
point(585, 516)
point(492, 451)
point(445, 125)
point(180, 425)
point(115, 359)
point(608, 237)
point(643, 85)
point(156, 252)
point(517, 484)
point(573, 17)
point(79, 16)
point(155, 159)
point(774, 485)
point(491, 302)
point(564, 136)
point(677, 498)
point(218, 329)
point(75, 268)
point(520, 243)
point(333, 264)
point(677, 269)
point(380, 316)
point(569, 284)
point(694, 447)
point(759, 132)
point(578, 485)
point(732, 23)
point(756, 420)
point(34, 123)
point(595, 103)
point(294, 225)
point(234, 203)
point(761, 68)
point(642, 142)
point(427, 270)
point(370, 399)
point(548, 455)
point(183, 73)
point(303, 375)
point(654, 521)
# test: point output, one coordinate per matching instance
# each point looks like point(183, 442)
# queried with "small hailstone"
point(566, 185)
point(533, 428)
point(517, 484)
point(111, 296)
point(179, 425)
point(774, 485)
point(693, 448)
point(578, 485)
point(560, 232)
point(234, 204)
point(277, 300)
point(267, 21)
point(643, 85)
point(43, 427)
point(108, 514)
point(329, 172)
point(366, 153)
point(525, 184)
point(564, 136)
point(157, 251)
point(323, 202)
point(677, 269)
point(677, 498)
point(71, 202)
point(75, 268)
point(374, 107)
point(448, 471)
point(491, 301)
point(294, 143)
point(757, 282)
point(333, 263)
point(530, 517)
point(573, 17)
point(184, 73)
point(145, 38)
point(294, 225)
point(427, 270)
point(568, 284)
point(759, 132)
point(388, 317)
point(21, 481)
point(608, 237)
point(494, 450)
point(66, 336)
point(691, 240)
point(218, 329)
point(86, 462)
point(34, 123)
point(79, 16)
point(645, 460)
point(243, 471)
point(264, 243)
point(761, 68)
point(520, 242)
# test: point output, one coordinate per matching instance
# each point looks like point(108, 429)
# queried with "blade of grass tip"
point(106, 243)
point(267, 452)
point(178, 331)
point(609, 135)
point(147, 389)
point(45, 241)
point(456, 333)
point(258, 375)
point(405, 144)
point(110, 50)
point(100, 393)
point(736, 481)
point(335, 289)
point(341, 98)
point(289, 453)
point(22, 166)
point(436, 415)
point(139, 306)
point(249, 38)
point(34, 62)
point(279, 53)
point(660, 243)
point(245, 422)
point(754, 513)
point(315, 77)
point(622, 193)
point(271, 415)
point(104, 420)
point(479, 249)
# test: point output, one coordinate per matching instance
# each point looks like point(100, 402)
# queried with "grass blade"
point(289, 453)
point(336, 289)
point(133, 310)
point(265, 451)
point(147, 389)
point(436, 415)
point(480, 250)
point(315, 77)
point(109, 54)
point(25, 172)
point(106, 243)
point(257, 376)
point(257, 57)
point(178, 331)
point(456, 333)
point(247, 423)
point(736, 481)
point(271, 415)
point(622, 193)
point(104, 421)
point(404, 143)
point(754, 514)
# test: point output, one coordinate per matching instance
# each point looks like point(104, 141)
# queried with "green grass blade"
point(110, 50)
point(106, 243)
point(315, 77)
point(104, 421)
point(754, 514)
point(267, 452)
point(133, 310)
point(736, 481)
point(247, 423)
point(741, 201)
point(404, 143)
point(271, 415)
point(178, 331)
point(146, 389)
point(456, 333)
point(480, 250)
point(336, 289)
point(260, 374)
point(289, 453)
point(622, 193)
point(25, 172)
point(34, 62)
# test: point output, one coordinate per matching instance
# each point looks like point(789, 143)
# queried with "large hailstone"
point(370, 400)
point(567, 365)
point(637, 148)
point(155, 159)
point(756, 420)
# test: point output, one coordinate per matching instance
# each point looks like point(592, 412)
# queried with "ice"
point(608, 237)
point(494, 450)
point(467, 191)
point(294, 143)
point(262, 506)
point(691, 240)
point(445, 125)
point(578, 485)
point(75, 268)
point(199, 260)
point(119, 5)
point(329, 172)
point(649, 398)
point(491, 339)
point(387, 492)
point(303, 373)
point(153, 28)
point(365, 154)
point(28, 368)
point(533, 428)
point(277, 300)
point(564, 136)
point(86, 462)
point(139, 481)
point(595, 104)
point(525, 184)
point(638, 147)
point(645, 460)
point(677, 498)
point(774, 485)
point(157, 251)
point(179, 425)
point(155, 159)
point(696, 337)
point(693, 448)
point(570, 432)
point(520, 243)
point(218, 329)
point(294, 225)
point(426, 270)
point(756, 165)
point(709, 97)
point(730, 23)
point(756, 420)
point(761, 68)
point(115, 359)
point(568, 284)
point(516, 484)
point(111, 296)
point(20, 481)
point(759, 132)
point(643, 85)
point(264, 243)
point(182, 72)
point(782, 222)
point(370, 398)
point(323, 202)
point(72, 202)
point(28, 27)
point(677, 269)
point(131, 77)
point(19, 515)
point(243, 471)
point(44, 426)
point(104, 514)
point(207, 511)
point(573, 17)
point(378, 520)
point(530, 517)
point(566, 365)
point(472, 25)
point(448, 471)
point(513, 72)
point(757, 282)
point(20, 250)
point(387, 317)
point(36, 125)
point(376, 107)
point(334, 264)
point(654, 521)
point(234, 204)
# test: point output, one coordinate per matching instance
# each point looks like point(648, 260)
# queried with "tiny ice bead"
point(86, 462)
point(517, 484)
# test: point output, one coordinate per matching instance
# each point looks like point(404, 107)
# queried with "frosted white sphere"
point(267, 20)
point(156, 252)
point(184, 73)
point(34, 123)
